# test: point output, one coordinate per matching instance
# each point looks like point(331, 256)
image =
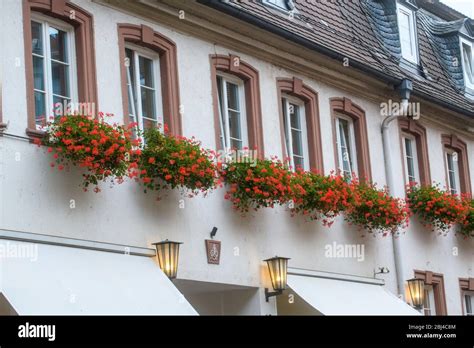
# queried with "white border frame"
point(414, 149)
point(354, 167)
point(412, 17)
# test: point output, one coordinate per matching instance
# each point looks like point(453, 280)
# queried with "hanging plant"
point(320, 197)
point(438, 209)
point(466, 221)
point(256, 184)
point(104, 150)
point(375, 210)
point(168, 161)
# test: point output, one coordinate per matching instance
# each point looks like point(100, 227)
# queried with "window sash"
point(469, 303)
point(407, 33)
point(410, 154)
point(429, 306)
point(137, 91)
point(232, 138)
point(467, 62)
point(50, 98)
point(295, 133)
point(452, 166)
point(346, 147)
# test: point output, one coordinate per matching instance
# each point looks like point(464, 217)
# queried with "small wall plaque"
point(213, 249)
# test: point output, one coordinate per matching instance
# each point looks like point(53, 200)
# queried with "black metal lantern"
point(417, 292)
point(278, 268)
point(167, 253)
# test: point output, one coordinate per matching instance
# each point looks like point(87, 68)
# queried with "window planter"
point(253, 185)
point(102, 149)
point(375, 210)
point(168, 161)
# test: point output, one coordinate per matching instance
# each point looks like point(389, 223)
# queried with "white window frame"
point(137, 103)
point(279, 4)
point(414, 149)
point(468, 296)
point(404, 10)
point(351, 141)
point(468, 82)
point(46, 23)
point(224, 118)
point(430, 300)
point(454, 171)
point(286, 101)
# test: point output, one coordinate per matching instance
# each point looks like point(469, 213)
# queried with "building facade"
point(339, 64)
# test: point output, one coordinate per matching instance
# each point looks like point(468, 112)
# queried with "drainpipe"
point(404, 90)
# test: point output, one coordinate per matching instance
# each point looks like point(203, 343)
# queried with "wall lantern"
point(278, 268)
point(417, 292)
point(167, 253)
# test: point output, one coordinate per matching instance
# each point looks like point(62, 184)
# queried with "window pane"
point(61, 103)
point(405, 34)
point(297, 142)
point(298, 161)
point(147, 123)
point(410, 160)
point(38, 73)
point(467, 56)
point(345, 149)
point(236, 144)
point(146, 72)
point(132, 102)
point(294, 116)
point(40, 108)
point(233, 96)
point(468, 305)
point(60, 78)
point(58, 42)
point(148, 103)
point(235, 127)
point(37, 38)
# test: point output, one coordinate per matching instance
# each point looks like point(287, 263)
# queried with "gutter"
point(226, 8)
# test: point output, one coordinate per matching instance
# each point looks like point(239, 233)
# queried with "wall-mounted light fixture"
point(167, 253)
point(278, 268)
point(417, 292)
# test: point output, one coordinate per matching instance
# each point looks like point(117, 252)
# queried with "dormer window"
point(467, 62)
point(407, 29)
point(286, 5)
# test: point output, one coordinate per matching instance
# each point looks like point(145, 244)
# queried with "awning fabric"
point(340, 297)
point(65, 280)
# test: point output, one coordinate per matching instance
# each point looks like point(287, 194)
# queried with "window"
point(144, 88)
point(452, 167)
point(456, 164)
point(296, 136)
point(469, 303)
point(351, 145)
point(238, 106)
point(410, 153)
point(429, 305)
point(414, 151)
point(435, 296)
point(149, 76)
point(467, 63)
point(286, 5)
point(346, 148)
point(54, 72)
point(407, 29)
point(233, 123)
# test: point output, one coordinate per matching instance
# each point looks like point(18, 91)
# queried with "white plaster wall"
point(37, 199)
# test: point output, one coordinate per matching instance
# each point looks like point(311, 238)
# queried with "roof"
point(364, 31)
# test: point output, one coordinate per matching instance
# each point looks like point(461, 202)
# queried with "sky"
point(466, 7)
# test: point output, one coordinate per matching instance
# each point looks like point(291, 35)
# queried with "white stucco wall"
point(36, 199)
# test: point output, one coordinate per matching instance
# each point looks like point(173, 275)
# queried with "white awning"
point(347, 297)
point(46, 279)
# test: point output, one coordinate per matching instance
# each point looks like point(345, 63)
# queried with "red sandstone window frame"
point(346, 107)
point(453, 143)
point(415, 129)
point(296, 88)
point(146, 37)
point(82, 21)
point(233, 65)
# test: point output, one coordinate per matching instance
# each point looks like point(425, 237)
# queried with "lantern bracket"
point(269, 294)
